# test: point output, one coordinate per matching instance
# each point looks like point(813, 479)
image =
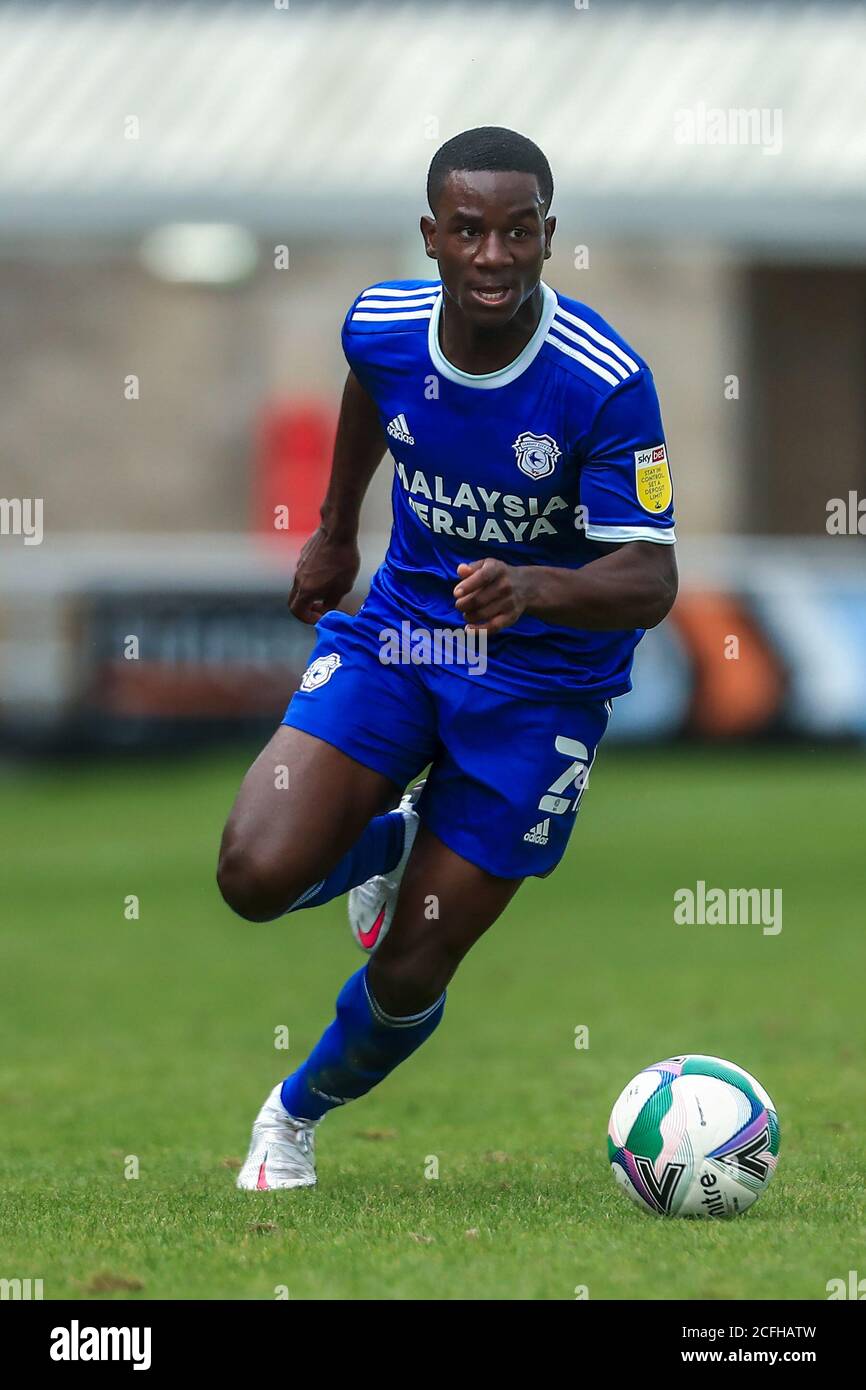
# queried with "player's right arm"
point(329, 562)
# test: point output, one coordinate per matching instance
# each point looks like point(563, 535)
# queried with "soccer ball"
point(693, 1136)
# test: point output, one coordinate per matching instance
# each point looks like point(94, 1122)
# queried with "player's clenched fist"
point(327, 569)
point(490, 594)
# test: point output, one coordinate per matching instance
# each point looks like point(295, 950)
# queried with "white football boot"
point(282, 1149)
point(371, 904)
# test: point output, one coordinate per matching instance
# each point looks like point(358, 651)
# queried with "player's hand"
point(327, 569)
point(490, 594)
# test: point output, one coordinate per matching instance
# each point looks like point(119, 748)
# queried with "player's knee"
point(252, 886)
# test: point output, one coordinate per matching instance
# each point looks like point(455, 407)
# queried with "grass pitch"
point(146, 1046)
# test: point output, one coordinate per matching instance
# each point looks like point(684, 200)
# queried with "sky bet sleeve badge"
point(653, 479)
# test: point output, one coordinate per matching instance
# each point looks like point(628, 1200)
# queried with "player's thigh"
point(301, 786)
point(354, 734)
point(301, 806)
point(445, 904)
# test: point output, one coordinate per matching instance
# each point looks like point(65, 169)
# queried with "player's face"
point(491, 239)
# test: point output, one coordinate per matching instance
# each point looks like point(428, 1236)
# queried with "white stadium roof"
point(323, 117)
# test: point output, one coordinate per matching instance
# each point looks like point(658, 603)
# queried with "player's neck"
point(479, 350)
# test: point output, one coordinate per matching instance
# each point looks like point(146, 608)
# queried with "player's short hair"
point(489, 147)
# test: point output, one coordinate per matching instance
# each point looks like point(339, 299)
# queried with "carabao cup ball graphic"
point(693, 1136)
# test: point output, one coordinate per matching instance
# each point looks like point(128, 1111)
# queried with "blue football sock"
point(377, 851)
point(356, 1052)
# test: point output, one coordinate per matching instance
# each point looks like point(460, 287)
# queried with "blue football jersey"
point(534, 464)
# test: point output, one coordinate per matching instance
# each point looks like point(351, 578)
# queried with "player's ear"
point(428, 232)
point(549, 229)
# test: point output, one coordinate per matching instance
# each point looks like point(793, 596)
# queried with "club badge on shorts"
point(536, 454)
point(653, 478)
point(319, 671)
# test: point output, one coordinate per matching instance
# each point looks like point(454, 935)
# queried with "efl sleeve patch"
point(653, 479)
point(625, 477)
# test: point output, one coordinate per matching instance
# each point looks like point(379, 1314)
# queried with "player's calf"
point(422, 951)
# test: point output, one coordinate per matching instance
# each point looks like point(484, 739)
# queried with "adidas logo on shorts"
point(539, 833)
point(399, 429)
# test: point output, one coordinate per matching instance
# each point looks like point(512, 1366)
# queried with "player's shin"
point(359, 1049)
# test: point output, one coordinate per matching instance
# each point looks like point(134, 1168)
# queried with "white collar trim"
point(503, 375)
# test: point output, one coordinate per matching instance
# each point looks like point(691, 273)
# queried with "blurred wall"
point(178, 458)
point(733, 259)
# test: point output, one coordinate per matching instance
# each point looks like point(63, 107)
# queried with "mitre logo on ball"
point(536, 454)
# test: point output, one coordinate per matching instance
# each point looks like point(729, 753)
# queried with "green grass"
point(154, 1038)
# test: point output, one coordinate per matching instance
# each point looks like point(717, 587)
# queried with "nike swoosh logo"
point(369, 938)
point(262, 1183)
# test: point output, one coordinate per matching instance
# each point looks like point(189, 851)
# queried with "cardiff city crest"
point(319, 671)
point(536, 454)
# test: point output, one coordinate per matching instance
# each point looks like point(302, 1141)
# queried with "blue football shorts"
point(507, 774)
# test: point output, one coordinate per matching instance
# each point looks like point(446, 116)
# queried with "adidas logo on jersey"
point(539, 833)
point(399, 429)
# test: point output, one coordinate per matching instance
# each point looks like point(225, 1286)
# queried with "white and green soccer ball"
point(693, 1136)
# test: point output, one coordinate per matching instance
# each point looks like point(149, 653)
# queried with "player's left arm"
point(633, 585)
point(626, 496)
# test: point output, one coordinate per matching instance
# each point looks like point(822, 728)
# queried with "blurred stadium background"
point(191, 194)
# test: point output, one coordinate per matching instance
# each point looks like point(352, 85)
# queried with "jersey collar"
point(503, 375)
